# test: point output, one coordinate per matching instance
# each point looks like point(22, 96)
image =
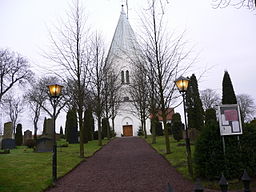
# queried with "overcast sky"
point(224, 38)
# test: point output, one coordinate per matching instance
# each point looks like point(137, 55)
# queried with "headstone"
point(44, 144)
point(8, 132)
point(27, 135)
point(49, 128)
point(1, 141)
point(8, 143)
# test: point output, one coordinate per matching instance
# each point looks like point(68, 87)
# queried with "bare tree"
point(209, 98)
point(14, 69)
point(111, 95)
point(165, 56)
point(114, 98)
point(250, 4)
point(140, 93)
point(36, 98)
point(39, 94)
point(99, 71)
point(14, 107)
point(70, 50)
point(247, 106)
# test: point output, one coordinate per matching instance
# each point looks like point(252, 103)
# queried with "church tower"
point(121, 55)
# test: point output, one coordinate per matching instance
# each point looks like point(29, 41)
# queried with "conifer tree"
point(88, 125)
point(71, 126)
point(61, 133)
point(208, 155)
point(210, 115)
point(228, 93)
point(194, 105)
point(177, 127)
point(233, 154)
point(18, 135)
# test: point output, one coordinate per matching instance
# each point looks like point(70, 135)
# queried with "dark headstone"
point(44, 144)
point(8, 143)
point(27, 135)
point(49, 128)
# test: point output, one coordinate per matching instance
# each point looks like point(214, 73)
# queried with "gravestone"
point(8, 142)
point(1, 141)
point(27, 135)
point(8, 132)
point(49, 128)
point(45, 142)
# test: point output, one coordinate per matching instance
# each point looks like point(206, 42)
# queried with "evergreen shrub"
point(159, 129)
point(209, 157)
point(248, 148)
point(177, 127)
point(71, 127)
point(140, 132)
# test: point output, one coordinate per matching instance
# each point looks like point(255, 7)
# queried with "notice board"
point(230, 120)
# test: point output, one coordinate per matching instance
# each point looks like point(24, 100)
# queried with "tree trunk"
point(153, 125)
point(35, 131)
point(99, 132)
point(145, 130)
point(166, 136)
point(81, 128)
point(108, 127)
point(113, 125)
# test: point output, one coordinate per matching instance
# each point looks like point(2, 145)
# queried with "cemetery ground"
point(177, 159)
point(26, 171)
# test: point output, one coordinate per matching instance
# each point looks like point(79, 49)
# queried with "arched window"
point(127, 77)
point(122, 76)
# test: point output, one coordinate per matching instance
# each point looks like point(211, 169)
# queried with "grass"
point(178, 159)
point(26, 171)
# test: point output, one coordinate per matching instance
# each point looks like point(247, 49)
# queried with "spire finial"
point(122, 10)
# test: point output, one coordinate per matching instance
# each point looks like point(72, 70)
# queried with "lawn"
point(177, 157)
point(26, 171)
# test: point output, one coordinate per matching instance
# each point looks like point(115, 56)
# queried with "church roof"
point(124, 41)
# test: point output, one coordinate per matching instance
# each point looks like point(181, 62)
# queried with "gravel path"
point(124, 165)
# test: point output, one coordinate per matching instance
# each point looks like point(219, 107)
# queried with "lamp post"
point(55, 92)
point(182, 85)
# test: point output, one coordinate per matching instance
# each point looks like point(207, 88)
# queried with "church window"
point(127, 77)
point(122, 76)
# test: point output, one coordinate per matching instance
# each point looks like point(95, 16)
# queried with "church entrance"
point(127, 130)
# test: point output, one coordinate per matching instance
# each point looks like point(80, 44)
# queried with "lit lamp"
point(55, 92)
point(182, 85)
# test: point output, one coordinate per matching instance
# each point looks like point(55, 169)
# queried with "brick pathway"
point(124, 165)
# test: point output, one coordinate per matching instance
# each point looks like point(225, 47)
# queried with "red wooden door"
point(127, 130)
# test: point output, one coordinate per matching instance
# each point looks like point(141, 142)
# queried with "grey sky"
point(224, 38)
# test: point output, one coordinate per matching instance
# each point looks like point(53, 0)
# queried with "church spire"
point(124, 40)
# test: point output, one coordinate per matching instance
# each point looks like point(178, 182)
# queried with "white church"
point(122, 49)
